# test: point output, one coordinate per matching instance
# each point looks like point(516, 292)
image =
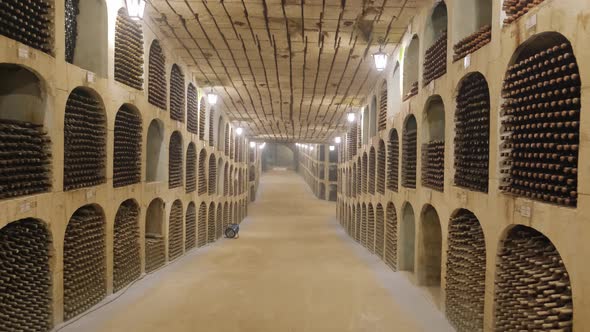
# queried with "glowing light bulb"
point(380, 60)
point(135, 9)
point(338, 140)
point(351, 117)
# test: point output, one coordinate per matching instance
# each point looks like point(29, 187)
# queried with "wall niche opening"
point(390, 255)
point(393, 161)
point(190, 239)
point(211, 127)
point(26, 256)
point(435, 58)
point(84, 265)
point(211, 223)
point(202, 172)
point(381, 152)
point(38, 35)
point(370, 228)
point(157, 76)
point(175, 235)
point(226, 181)
point(364, 173)
point(322, 191)
point(155, 154)
point(363, 225)
point(411, 63)
point(126, 248)
point(226, 216)
point(379, 231)
point(177, 102)
point(155, 247)
point(202, 118)
point(191, 165)
point(430, 252)
point(409, 147)
point(212, 186)
point(26, 161)
point(127, 149)
point(84, 140)
point(407, 239)
point(433, 144)
point(86, 29)
point(382, 119)
point(332, 192)
point(472, 26)
point(192, 109)
point(202, 225)
point(128, 51)
point(371, 173)
point(175, 154)
point(219, 221)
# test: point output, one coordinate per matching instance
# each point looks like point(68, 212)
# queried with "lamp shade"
point(212, 98)
point(337, 139)
point(351, 117)
point(135, 8)
point(380, 61)
point(239, 131)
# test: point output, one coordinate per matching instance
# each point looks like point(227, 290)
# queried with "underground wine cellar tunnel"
point(422, 163)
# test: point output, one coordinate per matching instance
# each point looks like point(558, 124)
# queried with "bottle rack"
point(381, 168)
point(84, 141)
point(25, 278)
point(391, 237)
point(226, 141)
point(211, 223)
point(226, 218)
point(212, 187)
point(379, 231)
point(433, 165)
point(219, 222)
point(190, 240)
point(359, 177)
point(351, 142)
point(127, 151)
point(176, 94)
point(515, 9)
point(126, 255)
point(409, 147)
point(211, 125)
point(412, 92)
point(364, 173)
point(25, 159)
point(202, 174)
point(371, 175)
point(157, 76)
point(202, 226)
point(175, 231)
point(72, 10)
point(540, 125)
point(370, 244)
point(175, 161)
point(192, 109)
point(128, 51)
point(435, 59)
point(472, 121)
point(472, 42)
point(191, 163)
point(393, 167)
point(466, 272)
point(35, 16)
point(533, 291)
point(84, 261)
point(202, 116)
point(382, 121)
point(155, 252)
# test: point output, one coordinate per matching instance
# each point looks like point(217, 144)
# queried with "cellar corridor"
point(292, 269)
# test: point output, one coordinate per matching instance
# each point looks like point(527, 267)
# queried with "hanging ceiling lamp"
point(212, 98)
point(135, 9)
point(332, 148)
point(239, 131)
point(337, 139)
point(351, 117)
point(380, 60)
point(252, 145)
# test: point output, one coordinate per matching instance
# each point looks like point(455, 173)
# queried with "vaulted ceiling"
point(284, 70)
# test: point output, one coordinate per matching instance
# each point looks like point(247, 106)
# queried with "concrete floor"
point(293, 269)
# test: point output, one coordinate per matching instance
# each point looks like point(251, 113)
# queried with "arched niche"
point(211, 223)
point(202, 225)
point(407, 239)
point(373, 117)
point(358, 223)
point(157, 76)
point(472, 20)
point(211, 128)
point(128, 51)
point(237, 219)
point(220, 176)
point(191, 165)
point(40, 19)
point(22, 112)
point(226, 180)
point(382, 117)
point(363, 225)
point(433, 120)
point(409, 152)
point(155, 152)
point(26, 256)
point(220, 133)
point(202, 118)
point(86, 35)
point(433, 144)
point(252, 173)
point(126, 245)
point(226, 216)
point(545, 279)
point(352, 221)
point(472, 133)
point(359, 176)
point(370, 227)
point(231, 214)
point(364, 173)
point(365, 122)
point(390, 250)
point(177, 97)
point(465, 272)
point(219, 222)
point(395, 91)
point(435, 40)
point(380, 231)
point(558, 104)
point(192, 109)
point(436, 24)
point(175, 236)
point(393, 161)
point(381, 167)
point(411, 62)
point(175, 156)
point(430, 251)
point(212, 185)
point(84, 261)
point(332, 192)
point(84, 140)
point(371, 172)
point(227, 135)
point(127, 147)
point(190, 239)
point(155, 247)
point(202, 184)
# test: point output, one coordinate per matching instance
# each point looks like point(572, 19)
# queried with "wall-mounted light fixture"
point(332, 148)
point(351, 117)
point(380, 60)
point(239, 131)
point(135, 9)
point(212, 98)
point(252, 144)
point(337, 139)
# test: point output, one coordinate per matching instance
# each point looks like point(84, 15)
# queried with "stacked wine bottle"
point(371, 173)
point(191, 164)
point(359, 176)
point(533, 290)
point(28, 22)
point(540, 126)
point(155, 251)
point(212, 187)
point(128, 51)
point(219, 222)
point(472, 42)
point(433, 165)
point(379, 231)
point(202, 173)
point(192, 110)
point(409, 158)
point(25, 277)
point(412, 92)
point(126, 259)
point(472, 121)
point(176, 94)
point(515, 9)
point(72, 10)
point(381, 168)
point(370, 228)
point(84, 141)
point(393, 162)
point(211, 127)
point(84, 261)
point(466, 273)
point(175, 231)
point(202, 226)
point(157, 76)
point(211, 223)
point(24, 159)
point(226, 217)
point(202, 117)
point(435, 59)
point(191, 227)
point(175, 161)
point(391, 237)
point(382, 120)
point(363, 226)
point(127, 152)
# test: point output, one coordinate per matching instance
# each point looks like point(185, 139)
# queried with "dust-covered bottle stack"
point(192, 110)
point(176, 94)
point(514, 9)
point(191, 227)
point(128, 51)
point(72, 10)
point(175, 156)
point(211, 224)
point(24, 159)
point(472, 42)
point(157, 76)
point(435, 59)
point(84, 261)
point(412, 92)
point(126, 260)
point(409, 158)
point(25, 278)
point(28, 22)
point(393, 162)
point(175, 231)
point(370, 228)
point(540, 126)
point(127, 152)
point(84, 141)
point(533, 291)
point(155, 251)
point(391, 237)
point(191, 165)
point(466, 267)
point(472, 121)
point(202, 226)
point(433, 165)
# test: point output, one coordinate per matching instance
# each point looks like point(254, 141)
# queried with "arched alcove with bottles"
point(379, 231)
point(371, 172)
point(407, 239)
point(155, 247)
point(390, 254)
point(212, 185)
point(202, 170)
point(435, 39)
point(175, 156)
point(219, 221)
point(157, 76)
point(433, 144)
point(190, 239)
point(363, 225)
point(393, 161)
point(192, 109)
point(411, 63)
point(409, 152)
point(472, 26)
point(382, 118)
point(202, 118)
point(155, 169)
point(128, 51)
point(380, 168)
point(211, 223)
point(364, 173)
point(175, 236)
point(430, 251)
point(191, 165)
point(202, 225)
point(126, 246)
point(177, 97)
point(127, 147)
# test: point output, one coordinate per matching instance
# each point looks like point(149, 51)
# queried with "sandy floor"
point(292, 270)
